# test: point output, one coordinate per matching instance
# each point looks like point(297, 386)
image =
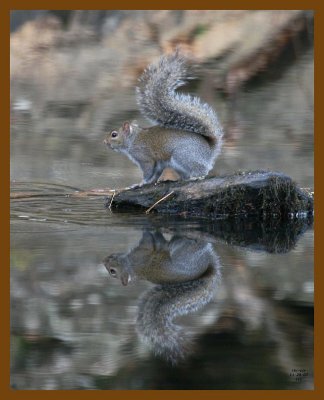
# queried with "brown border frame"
point(6, 391)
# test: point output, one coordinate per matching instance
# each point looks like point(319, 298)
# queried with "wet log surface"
point(254, 193)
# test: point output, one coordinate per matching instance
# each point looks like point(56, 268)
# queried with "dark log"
point(256, 193)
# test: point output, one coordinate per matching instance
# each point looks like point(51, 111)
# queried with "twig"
point(112, 198)
point(159, 201)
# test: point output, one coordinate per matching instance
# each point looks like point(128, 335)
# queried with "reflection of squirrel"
point(160, 261)
point(186, 272)
point(187, 137)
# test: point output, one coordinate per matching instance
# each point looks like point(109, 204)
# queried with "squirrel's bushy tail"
point(160, 103)
point(163, 303)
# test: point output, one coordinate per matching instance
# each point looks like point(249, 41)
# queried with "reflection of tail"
point(160, 305)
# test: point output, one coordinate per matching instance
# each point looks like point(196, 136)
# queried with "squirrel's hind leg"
point(196, 170)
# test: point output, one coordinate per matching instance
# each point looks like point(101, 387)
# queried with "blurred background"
point(73, 77)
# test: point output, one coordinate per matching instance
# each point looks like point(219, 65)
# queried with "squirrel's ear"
point(127, 127)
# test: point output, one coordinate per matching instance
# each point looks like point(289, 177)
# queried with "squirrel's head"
point(118, 139)
point(117, 267)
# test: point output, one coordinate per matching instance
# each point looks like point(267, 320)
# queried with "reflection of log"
point(260, 193)
point(269, 235)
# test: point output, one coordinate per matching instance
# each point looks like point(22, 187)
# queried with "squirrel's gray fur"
point(158, 101)
point(186, 137)
point(186, 273)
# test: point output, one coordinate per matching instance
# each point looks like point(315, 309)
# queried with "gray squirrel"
point(185, 273)
point(158, 260)
point(187, 135)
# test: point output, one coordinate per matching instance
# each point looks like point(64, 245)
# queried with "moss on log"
point(255, 193)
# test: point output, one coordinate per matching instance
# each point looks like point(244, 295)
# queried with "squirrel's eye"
point(114, 134)
point(113, 272)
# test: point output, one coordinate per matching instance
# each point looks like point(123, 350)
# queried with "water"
point(102, 300)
